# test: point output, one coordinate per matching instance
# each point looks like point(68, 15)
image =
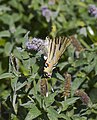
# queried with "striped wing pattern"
point(55, 49)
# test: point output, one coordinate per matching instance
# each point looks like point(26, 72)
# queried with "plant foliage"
point(72, 88)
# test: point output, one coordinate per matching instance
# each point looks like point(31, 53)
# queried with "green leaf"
point(70, 101)
point(34, 90)
point(6, 75)
point(82, 4)
point(19, 31)
point(90, 67)
point(80, 23)
point(14, 117)
point(17, 5)
point(77, 117)
point(28, 104)
point(14, 83)
point(4, 8)
point(96, 65)
point(20, 85)
point(71, 51)
point(2, 42)
point(62, 115)
point(59, 76)
point(17, 53)
point(90, 56)
point(5, 33)
point(76, 84)
point(8, 48)
point(93, 95)
point(50, 99)
point(7, 19)
point(62, 65)
point(33, 113)
point(52, 114)
point(16, 16)
point(79, 62)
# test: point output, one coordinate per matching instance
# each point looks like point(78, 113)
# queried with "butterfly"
point(55, 48)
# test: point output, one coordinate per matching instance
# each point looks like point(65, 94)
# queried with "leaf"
point(71, 51)
point(62, 65)
point(52, 114)
point(79, 63)
point(90, 56)
point(2, 42)
point(20, 85)
point(90, 67)
point(4, 8)
point(83, 31)
point(64, 116)
point(33, 113)
point(28, 104)
point(35, 89)
point(6, 75)
point(90, 30)
point(82, 4)
point(75, 84)
point(14, 83)
point(8, 48)
point(50, 99)
point(80, 23)
point(96, 65)
point(17, 5)
point(59, 76)
point(14, 102)
point(14, 117)
point(5, 33)
point(19, 31)
point(17, 53)
point(93, 95)
point(25, 71)
point(7, 19)
point(78, 117)
point(70, 101)
point(16, 16)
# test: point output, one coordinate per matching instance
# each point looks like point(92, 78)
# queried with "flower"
point(31, 46)
point(38, 44)
point(34, 44)
point(83, 96)
point(44, 87)
point(67, 85)
point(46, 13)
point(51, 2)
point(92, 10)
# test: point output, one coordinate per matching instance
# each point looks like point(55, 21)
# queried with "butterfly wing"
point(55, 49)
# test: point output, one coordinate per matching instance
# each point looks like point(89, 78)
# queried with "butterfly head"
point(47, 75)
